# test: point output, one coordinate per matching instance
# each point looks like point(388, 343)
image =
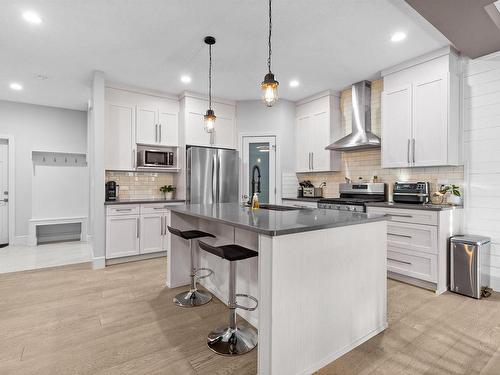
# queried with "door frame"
point(11, 184)
point(277, 161)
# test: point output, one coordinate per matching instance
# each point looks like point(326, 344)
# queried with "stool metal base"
point(192, 298)
point(232, 341)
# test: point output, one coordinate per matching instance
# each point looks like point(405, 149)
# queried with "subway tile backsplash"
point(139, 185)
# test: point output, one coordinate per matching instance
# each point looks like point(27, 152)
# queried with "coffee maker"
point(111, 191)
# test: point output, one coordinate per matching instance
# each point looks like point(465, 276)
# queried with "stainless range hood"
point(361, 136)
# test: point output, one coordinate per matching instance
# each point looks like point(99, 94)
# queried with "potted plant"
point(454, 196)
point(168, 191)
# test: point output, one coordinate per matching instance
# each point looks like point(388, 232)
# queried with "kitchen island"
point(320, 277)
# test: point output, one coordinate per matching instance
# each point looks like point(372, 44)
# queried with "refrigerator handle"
point(214, 178)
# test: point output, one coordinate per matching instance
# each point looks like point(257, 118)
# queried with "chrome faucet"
point(255, 168)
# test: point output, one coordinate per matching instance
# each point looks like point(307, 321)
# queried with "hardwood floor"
point(73, 320)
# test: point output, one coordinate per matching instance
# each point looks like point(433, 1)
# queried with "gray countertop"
point(302, 199)
point(276, 223)
point(410, 206)
point(143, 201)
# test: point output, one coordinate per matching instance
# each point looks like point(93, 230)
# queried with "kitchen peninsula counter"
point(320, 277)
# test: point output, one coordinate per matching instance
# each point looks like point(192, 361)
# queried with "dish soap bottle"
point(255, 201)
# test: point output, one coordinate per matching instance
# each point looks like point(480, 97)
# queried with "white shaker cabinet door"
point(119, 135)
point(320, 136)
point(151, 233)
point(303, 144)
point(122, 236)
point(168, 131)
point(396, 128)
point(224, 132)
point(195, 130)
point(147, 124)
point(430, 123)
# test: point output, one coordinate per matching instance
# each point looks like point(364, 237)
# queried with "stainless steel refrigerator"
point(212, 175)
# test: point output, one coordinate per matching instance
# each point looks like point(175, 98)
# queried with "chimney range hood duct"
point(361, 137)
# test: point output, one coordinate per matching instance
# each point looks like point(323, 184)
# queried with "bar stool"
point(232, 340)
point(193, 297)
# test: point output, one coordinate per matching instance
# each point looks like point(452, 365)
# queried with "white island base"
point(321, 292)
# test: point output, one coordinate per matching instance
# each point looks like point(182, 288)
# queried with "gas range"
point(354, 196)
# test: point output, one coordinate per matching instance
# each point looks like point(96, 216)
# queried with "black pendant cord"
point(269, 41)
point(210, 77)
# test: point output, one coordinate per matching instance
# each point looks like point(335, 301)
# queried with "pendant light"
point(269, 86)
point(209, 118)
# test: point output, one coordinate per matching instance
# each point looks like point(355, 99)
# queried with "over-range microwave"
point(155, 159)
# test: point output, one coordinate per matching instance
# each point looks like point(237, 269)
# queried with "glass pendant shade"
point(269, 90)
point(209, 120)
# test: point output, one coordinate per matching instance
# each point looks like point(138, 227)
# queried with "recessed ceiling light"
point(16, 86)
point(186, 79)
point(32, 17)
point(294, 83)
point(398, 37)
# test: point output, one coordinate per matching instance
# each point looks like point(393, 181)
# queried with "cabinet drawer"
point(407, 216)
point(152, 208)
point(300, 204)
point(421, 266)
point(123, 209)
point(415, 237)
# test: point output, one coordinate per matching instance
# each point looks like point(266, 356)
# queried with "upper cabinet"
point(317, 125)
point(133, 118)
point(193, 108)
point(421, 124)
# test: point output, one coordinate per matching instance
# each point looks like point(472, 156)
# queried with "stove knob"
point(348, 208)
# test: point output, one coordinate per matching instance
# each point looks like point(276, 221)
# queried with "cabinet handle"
point(399, 261)
point(408, 152)
point(156, 132)
point(160, 133)
point(161, 227)
point(138, 227)
point(398, 235)
point(398, 215)
point(158, 208)
point(413, 153)
point(133, 158)
point(123, 209)
point(312, 160)
point(310, 167)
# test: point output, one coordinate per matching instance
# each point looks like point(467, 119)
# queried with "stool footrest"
point(210, 273)
point(246, 307)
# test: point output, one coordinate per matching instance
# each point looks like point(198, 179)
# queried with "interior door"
point(200, 179)
point(396, 128)
point(260, 152)
point(430, 126)
point(147, 124)
point(4, 192)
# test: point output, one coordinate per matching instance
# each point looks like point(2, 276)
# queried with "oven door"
point(155, 158)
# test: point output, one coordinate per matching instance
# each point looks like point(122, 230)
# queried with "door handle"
point(408, 152)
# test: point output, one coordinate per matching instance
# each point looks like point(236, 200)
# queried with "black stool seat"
point(229, 252)
point(189, 234)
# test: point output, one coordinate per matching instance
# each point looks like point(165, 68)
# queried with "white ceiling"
point(325, 44)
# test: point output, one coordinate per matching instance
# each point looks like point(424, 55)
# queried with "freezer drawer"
point(468, 272)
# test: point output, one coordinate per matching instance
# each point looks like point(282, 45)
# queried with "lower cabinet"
point(417, 245)
point(136, 229)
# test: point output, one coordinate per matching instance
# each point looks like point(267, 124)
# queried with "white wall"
point(482, 152)
point(254, 118)
point(38, 128)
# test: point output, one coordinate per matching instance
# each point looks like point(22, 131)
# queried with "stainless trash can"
point(468, 273)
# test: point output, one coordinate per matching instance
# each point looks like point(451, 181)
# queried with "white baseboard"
point(98, 263)
point(20, 241)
